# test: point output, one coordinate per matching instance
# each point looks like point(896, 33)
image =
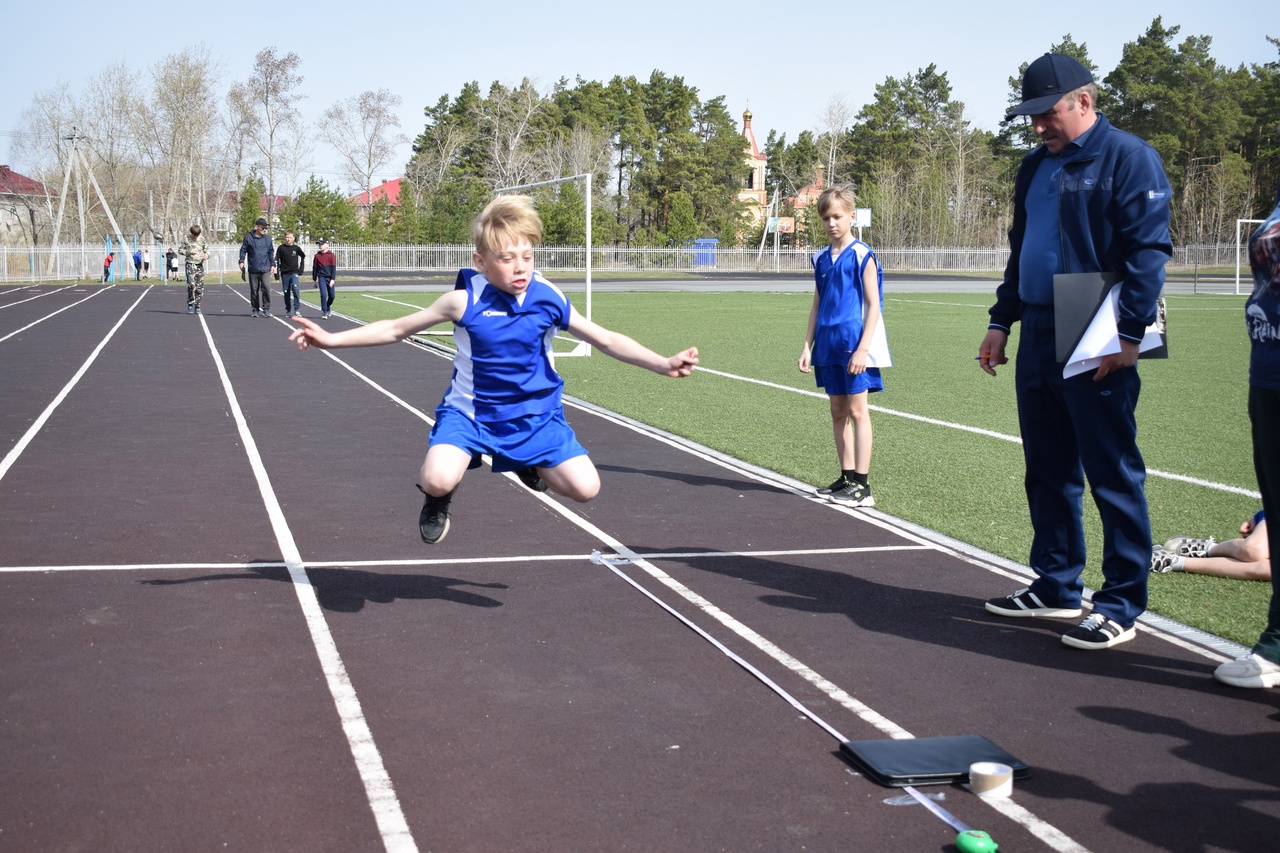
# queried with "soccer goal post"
point(581, 347)
point(1243, 247)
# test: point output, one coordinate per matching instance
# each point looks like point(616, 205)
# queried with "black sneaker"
point(852, 494)
point(1024, 602)
point(839, 484)
point(433, 521)
point(531, 479)
point(1097, 632)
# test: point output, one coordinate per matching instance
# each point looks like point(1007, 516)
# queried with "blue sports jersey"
point(503, 368)
point(838, 327)
point(1262, 310)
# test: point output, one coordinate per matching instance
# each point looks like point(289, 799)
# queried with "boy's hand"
point(803, 363)
point(857, 362)
point(682, 363)
point(308, 334)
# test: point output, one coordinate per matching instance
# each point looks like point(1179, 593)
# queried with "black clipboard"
point(926, 760)
point(1077, 298)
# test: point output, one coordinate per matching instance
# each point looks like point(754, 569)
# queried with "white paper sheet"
point(1102, 338)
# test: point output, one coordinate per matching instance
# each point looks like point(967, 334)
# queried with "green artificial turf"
point(1192, 419)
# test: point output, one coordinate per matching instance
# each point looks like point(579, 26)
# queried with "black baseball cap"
point(1046, 81)
point(260, 221)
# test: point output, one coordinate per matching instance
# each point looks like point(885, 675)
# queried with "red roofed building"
point(364, 201)
point(24, 206)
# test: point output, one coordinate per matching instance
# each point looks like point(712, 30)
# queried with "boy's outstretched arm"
point(448, 307)
point(625, 349)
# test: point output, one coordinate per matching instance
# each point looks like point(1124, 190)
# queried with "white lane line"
point(60, 310)
point(1013, 439)
point(37, 296)
point(12, 456)
point(379, 791)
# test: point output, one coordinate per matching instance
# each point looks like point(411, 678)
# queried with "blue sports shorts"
point(542, 441)
point(836, 379)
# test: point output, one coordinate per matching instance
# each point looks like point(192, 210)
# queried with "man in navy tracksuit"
point(258, 250)
point(1091, 198)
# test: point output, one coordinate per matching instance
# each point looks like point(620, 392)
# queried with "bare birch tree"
point(364, 131)
point(509, 114)
point(835, 119)
point(178, 126)
point(264, 106)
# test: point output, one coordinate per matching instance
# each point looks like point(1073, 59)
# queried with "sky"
point(786, 64)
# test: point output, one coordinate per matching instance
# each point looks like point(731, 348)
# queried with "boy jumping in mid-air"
point(505, 397)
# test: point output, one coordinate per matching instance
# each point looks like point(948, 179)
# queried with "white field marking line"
point(1195, 481)
point(59, 311)
point(379, 791)
point(928, 302)
point(37, 296)
point(35, 428)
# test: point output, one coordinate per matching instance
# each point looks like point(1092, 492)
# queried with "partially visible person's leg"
point(1261, 668)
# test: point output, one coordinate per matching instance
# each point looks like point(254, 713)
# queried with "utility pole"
point(76, 162)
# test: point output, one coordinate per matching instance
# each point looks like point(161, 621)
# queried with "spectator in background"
point(146, 263)
point(106, 266)
point(290, 260)
point(171, 264)
point(324, 271)
point(257, 250)
point(137, 265)
point(196, 250)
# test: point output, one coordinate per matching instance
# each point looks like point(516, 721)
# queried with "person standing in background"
point(324, 271)
point(257, 249)
point(196, 251)
point(290, 260)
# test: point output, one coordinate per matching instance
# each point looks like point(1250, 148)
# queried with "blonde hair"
point(842, 194)
point(504, 221)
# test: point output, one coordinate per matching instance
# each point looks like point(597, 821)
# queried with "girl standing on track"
point(845, 346)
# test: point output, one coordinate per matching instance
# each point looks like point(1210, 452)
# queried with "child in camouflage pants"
point(196, 251)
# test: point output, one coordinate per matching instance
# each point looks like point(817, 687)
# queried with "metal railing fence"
point(72, 263)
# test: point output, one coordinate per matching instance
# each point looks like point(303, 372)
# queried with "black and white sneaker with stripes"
point(1098, 632)
point(1024, 603)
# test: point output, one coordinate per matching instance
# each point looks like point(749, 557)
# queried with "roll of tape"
point(991, 779)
